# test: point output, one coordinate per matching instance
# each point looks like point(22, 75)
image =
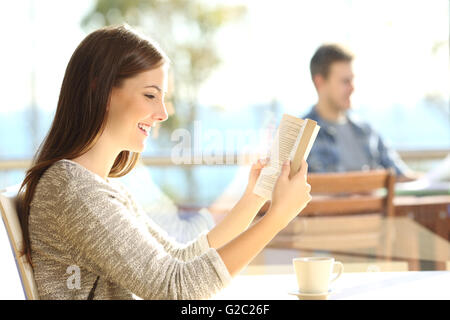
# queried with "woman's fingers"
point(303, 172)
point(285, 169)
point(264, 161)
point(260, 163)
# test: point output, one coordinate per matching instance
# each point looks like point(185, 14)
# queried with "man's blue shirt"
point(325, 156)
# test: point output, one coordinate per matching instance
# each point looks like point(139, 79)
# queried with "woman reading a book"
point(85, 235)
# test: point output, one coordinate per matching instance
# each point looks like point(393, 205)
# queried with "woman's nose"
point(161, 115)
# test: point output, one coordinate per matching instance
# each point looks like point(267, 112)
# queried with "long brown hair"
point(101, 61)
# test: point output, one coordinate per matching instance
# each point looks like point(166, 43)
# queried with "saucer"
point(311, 296)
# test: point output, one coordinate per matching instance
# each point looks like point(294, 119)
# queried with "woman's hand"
point(290, 196)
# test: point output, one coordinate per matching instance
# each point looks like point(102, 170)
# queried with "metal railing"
point(407, 156)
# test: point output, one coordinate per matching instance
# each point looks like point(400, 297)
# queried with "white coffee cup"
point(314, 273)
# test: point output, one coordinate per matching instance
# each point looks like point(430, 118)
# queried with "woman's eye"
point(150, 96)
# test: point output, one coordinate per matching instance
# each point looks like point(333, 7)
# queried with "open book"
point(294, 139)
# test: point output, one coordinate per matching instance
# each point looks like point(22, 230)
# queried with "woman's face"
point(135, 107)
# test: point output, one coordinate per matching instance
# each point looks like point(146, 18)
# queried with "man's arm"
point(391, 159)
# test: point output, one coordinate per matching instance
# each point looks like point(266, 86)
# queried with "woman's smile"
point(144, 128)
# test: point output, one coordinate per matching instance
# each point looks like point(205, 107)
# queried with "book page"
point(287, 136)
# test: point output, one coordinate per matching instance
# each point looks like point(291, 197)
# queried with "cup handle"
point(341, 269)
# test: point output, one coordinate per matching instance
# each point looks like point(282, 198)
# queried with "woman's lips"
point(143, 131)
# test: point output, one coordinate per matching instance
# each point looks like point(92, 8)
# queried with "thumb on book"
point(304, 168)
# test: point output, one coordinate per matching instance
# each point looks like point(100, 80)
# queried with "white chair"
point(8, 209)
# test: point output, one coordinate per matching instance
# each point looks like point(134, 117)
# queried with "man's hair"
point(324, 56)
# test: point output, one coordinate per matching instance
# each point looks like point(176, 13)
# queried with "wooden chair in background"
point(351, 193)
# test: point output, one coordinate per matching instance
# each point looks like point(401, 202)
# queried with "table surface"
point(377, 266)
point(395, 244)
point(350, 286)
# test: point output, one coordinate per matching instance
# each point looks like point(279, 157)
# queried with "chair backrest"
point(351, 193)
point(8, 209)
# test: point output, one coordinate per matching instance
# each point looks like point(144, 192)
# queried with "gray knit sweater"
point(82, 227)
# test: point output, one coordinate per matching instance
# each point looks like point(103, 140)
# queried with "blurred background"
point(236, 65)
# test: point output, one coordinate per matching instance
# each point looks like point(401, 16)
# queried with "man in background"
point(344, 143)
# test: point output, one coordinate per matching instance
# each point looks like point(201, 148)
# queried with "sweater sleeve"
point(182, 251)
point(104, 237)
